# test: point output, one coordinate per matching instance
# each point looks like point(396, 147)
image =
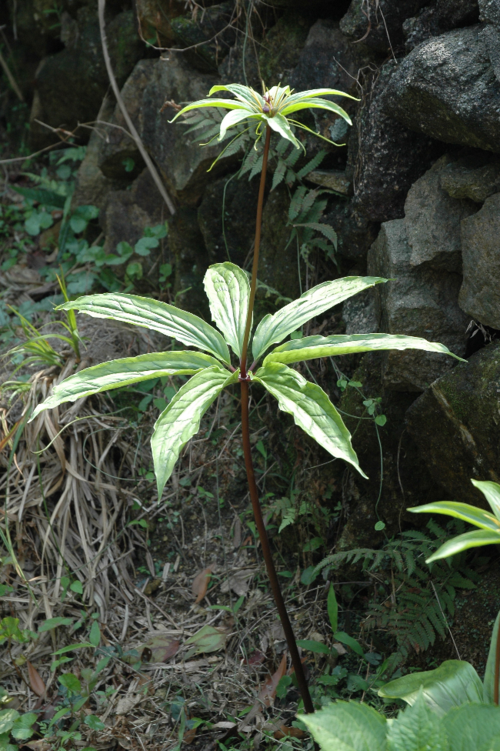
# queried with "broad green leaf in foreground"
point(452, 684)
point(181, 419)
point(464, 511)
point(228, 291)
point(330, 346)
point(491, 491)
point(473, 727)
point(123, 372)
point(274, 328)
point(347, 726)
point(489, 675)
point(311, 409)
point(417, 729)
point(465, 542)
point(152, 314)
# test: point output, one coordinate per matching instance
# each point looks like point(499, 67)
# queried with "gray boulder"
point(456, 429)
point(447, 89)
point(389, 157)
point(480, 293)
point(379, 25)
point(489, 11)
point(437, 18)
point(179, 157)
point(418, 302)
point(71, 84)
point(433, 219)
point(474, 177)
point(125, 217)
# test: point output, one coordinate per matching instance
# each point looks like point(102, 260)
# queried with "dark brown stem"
point(266, 551)
point(497, 667)
point(255, 267)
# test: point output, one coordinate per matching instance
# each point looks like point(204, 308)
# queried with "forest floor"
point(133, 623)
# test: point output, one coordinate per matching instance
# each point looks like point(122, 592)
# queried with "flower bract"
point(272, 108)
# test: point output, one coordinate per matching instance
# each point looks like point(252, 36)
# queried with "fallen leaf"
point(40, 745)
point(239, 582)
point(200, 583)
point(162, 648)
point(339, 648)
point(36, 682)
point(268, 690)
point(208, 639)
point(127, 703)
point(285, 731)
point(189, 736)
point(256, 658)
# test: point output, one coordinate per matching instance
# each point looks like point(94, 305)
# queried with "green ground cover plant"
point(231, 298)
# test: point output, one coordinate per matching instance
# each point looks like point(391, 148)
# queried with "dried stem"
point(252, 485)
point(497, 668)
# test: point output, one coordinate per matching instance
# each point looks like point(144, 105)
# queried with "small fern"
point(412, 601)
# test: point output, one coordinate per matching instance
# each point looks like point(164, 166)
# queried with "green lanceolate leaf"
point(228, 291)
point(347, 726)
point(452, 684)
point(152, 314)
point(181, 419)
point(417, 729)
point(489, 675)
point(329, 346)
point(465, 542)
point(473, 727)
point(124, 372)
point(491, 491)
point(464, 511)
point(274, 328)
point(311, 409)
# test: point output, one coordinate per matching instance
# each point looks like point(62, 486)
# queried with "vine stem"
point(497, 668)
point(247, 449)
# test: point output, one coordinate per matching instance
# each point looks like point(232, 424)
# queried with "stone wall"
point(417, 184)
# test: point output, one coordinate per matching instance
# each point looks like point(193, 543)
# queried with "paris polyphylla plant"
point(231, 298)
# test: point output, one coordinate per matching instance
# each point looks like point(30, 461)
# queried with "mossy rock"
point(281, 47)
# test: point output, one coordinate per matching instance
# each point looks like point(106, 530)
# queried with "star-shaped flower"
point(272, 108)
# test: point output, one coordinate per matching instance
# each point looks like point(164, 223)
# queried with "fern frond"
point(312, 164)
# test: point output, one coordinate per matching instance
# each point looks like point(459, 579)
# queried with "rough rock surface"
point(182, 162)
point(126, 216)
point(390, 157)
point(207, 36)
point(418, 302)
point(438, 17)
point(447, 89)
point(72, 83)
point(117, 147)
point(237, 211)
point(456, 429)
point(432, 221)
point(480, 292)
point(475, 177)
point(489, 12)
point(379, 25)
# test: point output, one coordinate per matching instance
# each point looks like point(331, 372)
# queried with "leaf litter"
point(68, 510)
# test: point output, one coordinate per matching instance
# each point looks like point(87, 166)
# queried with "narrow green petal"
point(228, 104)
point(233, 118)
point(317, 104)
point(319, 92)
point(279, 124)
point(244, 93)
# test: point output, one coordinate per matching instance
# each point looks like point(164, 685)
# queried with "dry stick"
point(497, 668)
point(121, 104)
point(11, 78)
point(252, 485)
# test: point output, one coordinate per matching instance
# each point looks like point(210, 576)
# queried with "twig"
point(11, 78)
point(127, 118)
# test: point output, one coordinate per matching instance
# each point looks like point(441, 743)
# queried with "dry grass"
point(70, 485)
